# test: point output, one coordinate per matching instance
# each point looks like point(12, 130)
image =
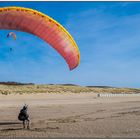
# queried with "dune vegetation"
point(32, 88)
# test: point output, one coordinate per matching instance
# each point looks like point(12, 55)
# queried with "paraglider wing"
point(41, 25)
point(13, 34)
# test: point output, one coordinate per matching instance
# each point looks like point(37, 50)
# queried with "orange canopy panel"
point(41, 25)
point(13, 34)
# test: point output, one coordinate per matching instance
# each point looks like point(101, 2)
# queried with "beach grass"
point(33, 89)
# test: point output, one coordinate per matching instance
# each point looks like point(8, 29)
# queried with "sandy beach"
point(71, 115)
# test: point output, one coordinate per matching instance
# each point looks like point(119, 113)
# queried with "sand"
point(70, 115)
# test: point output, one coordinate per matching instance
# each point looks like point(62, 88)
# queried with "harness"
point(23, 115)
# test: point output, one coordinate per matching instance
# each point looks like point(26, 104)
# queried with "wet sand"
point(70, 115)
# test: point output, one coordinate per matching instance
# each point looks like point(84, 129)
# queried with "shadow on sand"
point(9, 123)
point(35, 129)
point(11, 129)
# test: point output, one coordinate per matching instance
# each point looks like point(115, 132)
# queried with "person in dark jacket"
point(24, 116)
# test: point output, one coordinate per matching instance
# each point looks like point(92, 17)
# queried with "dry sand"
point(71, 116)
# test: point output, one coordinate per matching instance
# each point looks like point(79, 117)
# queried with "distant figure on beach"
point(24, 116)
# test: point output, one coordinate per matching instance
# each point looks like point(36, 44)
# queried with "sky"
point(108, 37)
